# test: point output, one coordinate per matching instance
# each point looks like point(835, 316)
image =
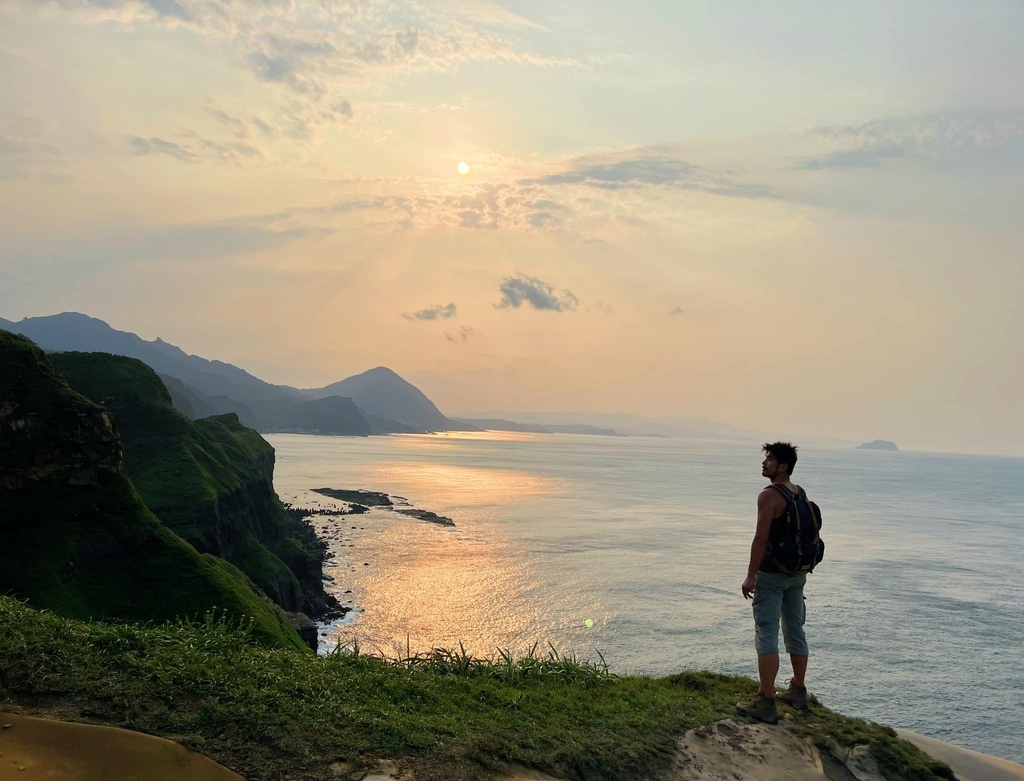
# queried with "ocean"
point(634, 549)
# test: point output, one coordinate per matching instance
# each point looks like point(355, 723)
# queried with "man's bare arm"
point(766, 510)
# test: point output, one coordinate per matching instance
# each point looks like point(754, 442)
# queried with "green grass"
point(179, 466)
point(98, 552)
point(897, 758)
point(271, 713)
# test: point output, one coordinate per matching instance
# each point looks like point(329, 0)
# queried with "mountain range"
point(375, 402)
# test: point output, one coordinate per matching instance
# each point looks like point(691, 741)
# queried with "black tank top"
point(767, 565)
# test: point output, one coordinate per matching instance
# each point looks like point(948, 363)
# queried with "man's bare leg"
point(767, 670)
point(799, 668)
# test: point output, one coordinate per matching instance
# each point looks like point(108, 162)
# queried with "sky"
point(787, 216)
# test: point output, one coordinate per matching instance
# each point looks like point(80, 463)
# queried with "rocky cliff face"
point(76, 536)
point(210, 481)
point(48, 432)
point(74, 451)
point(249, 527)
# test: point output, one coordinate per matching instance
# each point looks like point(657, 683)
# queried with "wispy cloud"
point(160, 146)
point(523, 289)
point(492, 14)
point(649, 167)
point(933, 132)
point(464, 335)
point(196, 148)
point(487, 207)
point(870, 144)
point(312, 55)
point(854, 158)
point(559, 201)
point(436, 312)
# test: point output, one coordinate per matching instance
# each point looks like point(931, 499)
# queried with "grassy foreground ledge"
point(273, 713)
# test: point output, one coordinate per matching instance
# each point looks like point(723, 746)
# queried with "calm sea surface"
point(915, 618)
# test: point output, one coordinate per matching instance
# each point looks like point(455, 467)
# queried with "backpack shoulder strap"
point(786, 493)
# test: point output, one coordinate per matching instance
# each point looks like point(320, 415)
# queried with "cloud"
point(422, 204)
point(310, 53)
point(515, 291)
point(932, 132)
point(649, 167)
point(195, 149)
point(301, 121)
point(854, 158)
point(487, 207)
point(677, 311)
point(159, 146)
point(869, 144)
point(490, 13)
point(436, 312)
point(464, 334)
point(171, 8)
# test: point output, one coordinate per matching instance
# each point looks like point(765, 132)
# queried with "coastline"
point(329, 510)
point(967, 764)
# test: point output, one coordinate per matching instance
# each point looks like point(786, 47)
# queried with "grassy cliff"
point(209, 480)
point(77, 537)
point(273, 714)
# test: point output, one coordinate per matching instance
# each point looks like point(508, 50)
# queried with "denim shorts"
point(779, 597)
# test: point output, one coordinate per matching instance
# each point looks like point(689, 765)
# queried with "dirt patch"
point(34, 749)
point(727, 751)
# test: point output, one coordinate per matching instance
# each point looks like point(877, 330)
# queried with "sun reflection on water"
point(459, 485)
point(414, 585)
point(439, 591)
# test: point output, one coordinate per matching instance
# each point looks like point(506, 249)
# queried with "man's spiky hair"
point(784, 453)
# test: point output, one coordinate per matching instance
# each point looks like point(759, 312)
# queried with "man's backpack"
point(796, 545)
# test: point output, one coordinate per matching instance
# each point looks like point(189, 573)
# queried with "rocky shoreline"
point(365, 499)
point(353, 502)
point(331, 608)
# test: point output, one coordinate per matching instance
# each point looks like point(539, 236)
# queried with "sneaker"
point(761, 708)
point(795, 697)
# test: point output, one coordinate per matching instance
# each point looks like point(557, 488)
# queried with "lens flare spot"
point(590, 623)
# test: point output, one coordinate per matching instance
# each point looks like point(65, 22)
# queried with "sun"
point(463, 168)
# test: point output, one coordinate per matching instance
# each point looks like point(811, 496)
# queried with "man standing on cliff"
point(785, 548)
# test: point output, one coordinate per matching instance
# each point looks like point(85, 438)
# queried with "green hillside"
point(77, 537)
point(209, 480)
point(274, 715)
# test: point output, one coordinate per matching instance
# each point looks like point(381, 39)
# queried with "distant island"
point(878, 444)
